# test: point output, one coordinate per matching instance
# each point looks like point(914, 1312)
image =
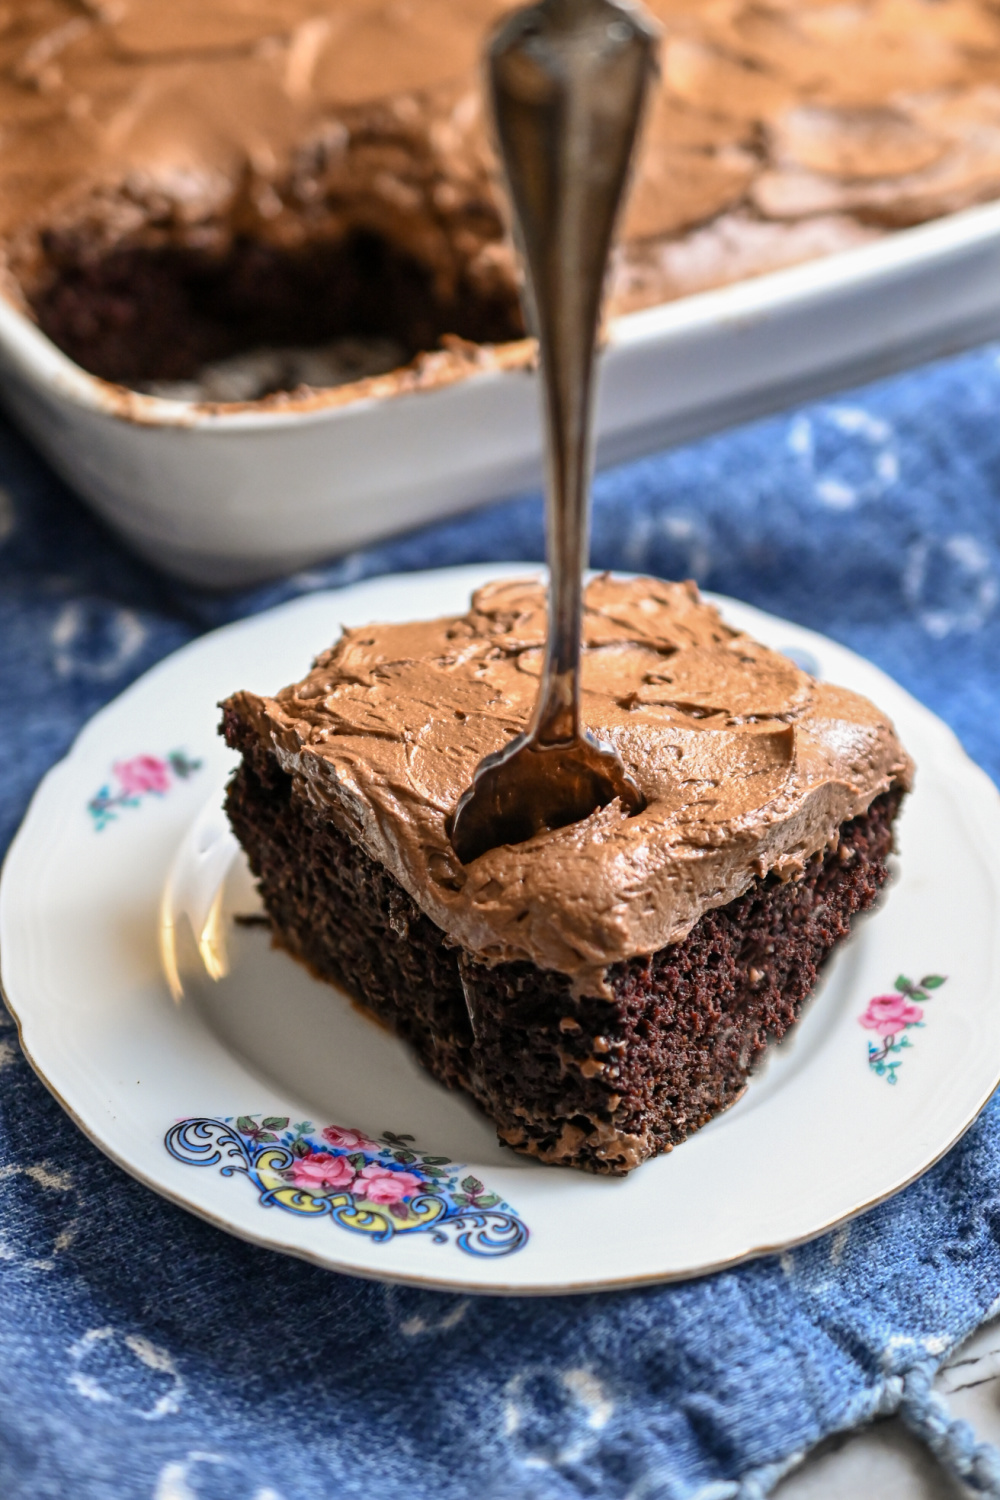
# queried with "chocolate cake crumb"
point(588, 1082)
point(154, 316)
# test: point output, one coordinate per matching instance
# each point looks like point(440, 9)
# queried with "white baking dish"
point(231, 496)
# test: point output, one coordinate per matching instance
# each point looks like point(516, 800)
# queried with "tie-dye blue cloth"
point(146, 1356)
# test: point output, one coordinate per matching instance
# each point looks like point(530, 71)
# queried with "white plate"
point(232, 495)
point(140, 1032)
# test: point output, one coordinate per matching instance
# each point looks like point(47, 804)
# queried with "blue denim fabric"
point(145, 1354)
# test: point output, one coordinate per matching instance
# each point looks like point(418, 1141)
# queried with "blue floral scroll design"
point(380, 1188)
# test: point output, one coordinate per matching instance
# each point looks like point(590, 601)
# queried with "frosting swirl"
point(780, 131)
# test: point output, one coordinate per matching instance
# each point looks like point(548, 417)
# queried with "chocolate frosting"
point(780, 130)
point(748, 765)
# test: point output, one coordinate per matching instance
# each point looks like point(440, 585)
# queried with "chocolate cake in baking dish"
point(605, 989)
point(182, 181)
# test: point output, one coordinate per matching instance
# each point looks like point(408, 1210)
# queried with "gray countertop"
point(885, 1461)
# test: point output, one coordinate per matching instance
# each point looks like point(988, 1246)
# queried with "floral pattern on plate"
point(892, 1017)
point(140, 776)
point(381, 1188)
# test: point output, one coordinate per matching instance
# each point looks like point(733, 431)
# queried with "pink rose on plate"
point(380, 1185)
point(349, 1140)
point(888, 1014)
point(321, 1170)
point(143, 773)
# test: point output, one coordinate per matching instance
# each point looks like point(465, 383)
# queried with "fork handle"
point(568, 79)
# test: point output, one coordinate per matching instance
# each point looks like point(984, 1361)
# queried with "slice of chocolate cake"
point(605, 989)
